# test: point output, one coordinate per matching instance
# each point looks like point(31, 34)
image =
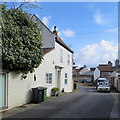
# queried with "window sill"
point(48, 84)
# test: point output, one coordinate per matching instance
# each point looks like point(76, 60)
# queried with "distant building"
point(103, 71)
point(115, 76)
point(77, 73)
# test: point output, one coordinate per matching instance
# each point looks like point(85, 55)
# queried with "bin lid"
point(38, 88)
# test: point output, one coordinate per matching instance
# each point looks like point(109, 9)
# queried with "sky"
point(90, 29)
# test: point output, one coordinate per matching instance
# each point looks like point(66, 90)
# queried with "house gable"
point(47, 35)
point(96, 74)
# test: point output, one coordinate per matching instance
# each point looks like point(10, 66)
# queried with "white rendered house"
point(56, 68)
point(54, 71)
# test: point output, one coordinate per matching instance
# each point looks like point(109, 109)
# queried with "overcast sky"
point(90, 29)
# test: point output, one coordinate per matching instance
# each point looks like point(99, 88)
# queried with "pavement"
point(11, 112)
point(83, 103)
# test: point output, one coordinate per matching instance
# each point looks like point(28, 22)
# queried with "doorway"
point(2, 90)
point(58, 78)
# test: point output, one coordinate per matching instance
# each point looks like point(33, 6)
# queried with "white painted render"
point(96, 74)
point(19, 91)
point(49, 64)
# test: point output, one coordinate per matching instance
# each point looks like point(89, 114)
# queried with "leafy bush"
point(55, 89)
point(21, 44)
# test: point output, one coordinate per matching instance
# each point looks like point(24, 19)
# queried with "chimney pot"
point(55, 31)
point(117, 63)
point(54, 28)
point(109, 63)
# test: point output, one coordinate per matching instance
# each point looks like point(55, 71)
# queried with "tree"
point(21, 41)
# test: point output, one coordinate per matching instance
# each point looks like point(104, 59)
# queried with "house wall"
point(96, 74)
point(113, 79)
point(51, 60)
point(118, 82)
point(84, 70)
point(67, 67)
point(106, 75)
point(76, 78)
point(89, 78)
point(48, 37)
point(20, 92)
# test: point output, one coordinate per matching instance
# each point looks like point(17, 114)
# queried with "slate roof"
point(88, 73)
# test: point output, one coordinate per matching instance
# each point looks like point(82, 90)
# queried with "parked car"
point(84, 80)
point(103, 86)
point(101, 80)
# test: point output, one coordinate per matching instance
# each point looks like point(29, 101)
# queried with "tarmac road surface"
point(84, 103)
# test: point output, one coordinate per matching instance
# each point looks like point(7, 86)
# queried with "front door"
point(58, 78)
point(2, 90)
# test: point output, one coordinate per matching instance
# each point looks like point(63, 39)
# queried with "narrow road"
point(84, 103)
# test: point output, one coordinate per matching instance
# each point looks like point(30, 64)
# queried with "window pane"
point(49, 78)
point(65, 78)
point(65, 75)
point(65, 81)
point(46, 78)
point(68, 59)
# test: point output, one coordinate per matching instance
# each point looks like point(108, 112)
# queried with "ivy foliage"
point(21, 41)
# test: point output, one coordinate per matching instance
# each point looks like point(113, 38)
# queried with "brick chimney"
point(117, 63)
point(109, 63)
point(55, 31)
point(84, 66)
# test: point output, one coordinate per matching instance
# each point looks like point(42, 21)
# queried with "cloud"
point(95, 54)
point(98, 17)
point(112, 30)
point(66, 33)
point(45, 20)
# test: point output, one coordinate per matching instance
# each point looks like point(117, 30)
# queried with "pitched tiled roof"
point(105, 68)
point(58, 38)
point(77, 70)
point(46, 50)
point(62, 43)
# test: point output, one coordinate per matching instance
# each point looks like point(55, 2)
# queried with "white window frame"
point(49, 78)
point(61, 55)
point(66, 78)
point(68, 59)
